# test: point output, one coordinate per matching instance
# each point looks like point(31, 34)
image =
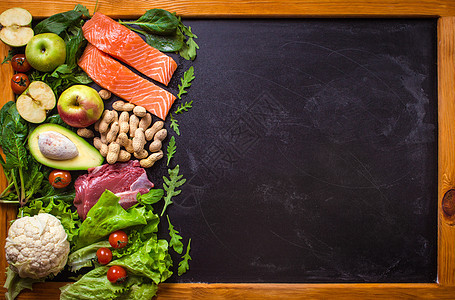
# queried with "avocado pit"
point(54, 145)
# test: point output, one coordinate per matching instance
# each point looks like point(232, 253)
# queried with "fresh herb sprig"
point(174, 124)
point(170, 185)
point(184, 263)
point(184, 107)
point(186, 80)
point(171, 149)
point(175, 238)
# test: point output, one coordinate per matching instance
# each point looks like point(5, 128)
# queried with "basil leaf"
point(58, 23)
point(158, 21)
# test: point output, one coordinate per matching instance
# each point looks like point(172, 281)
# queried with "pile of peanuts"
point(123, 135)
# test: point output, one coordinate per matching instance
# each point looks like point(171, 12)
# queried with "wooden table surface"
point(444, 10)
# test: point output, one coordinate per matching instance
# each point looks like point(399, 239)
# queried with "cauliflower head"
point(37, 246)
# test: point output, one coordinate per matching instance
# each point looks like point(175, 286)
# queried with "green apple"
point(34, 103)
point(80, 106)
point(16, 30)
point(46, 51)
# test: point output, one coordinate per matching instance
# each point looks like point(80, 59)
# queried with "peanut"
point(104, 94)
point(134, 122)
point(113, 152)
point(141, 154)
point(145, 121)
point(124, 156)
point(104, 150)
point(160, 135)
point(139, 111)
point(150, 132)
point(97, 125)
point(124, 141)
point(103, 137)
point(123, 122)
point(122, 106)
point(155, 146)
point(139, 140)
point(107, 118)
point(112, 133)
point(150, 161)
point(97, 143)
point(85, 133)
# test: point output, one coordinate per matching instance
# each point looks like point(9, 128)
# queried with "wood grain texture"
point(264, 8)
point(7, 211)
point(446, 156)
point(445, 289)
point(200, 291)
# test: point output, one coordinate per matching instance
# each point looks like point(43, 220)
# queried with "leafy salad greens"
point(146, 256)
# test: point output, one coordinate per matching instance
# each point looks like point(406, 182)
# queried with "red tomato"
point(59, 179)
point(118, 239)
point(116, 274)
point(20, 63)
point(19, 83)
point(104, 255)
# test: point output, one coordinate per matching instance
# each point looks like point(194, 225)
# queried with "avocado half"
point(88, 157)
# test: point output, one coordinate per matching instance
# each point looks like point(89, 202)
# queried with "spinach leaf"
point(58, 23)
point(165, 43)
point(151, 197)
point(157, 21)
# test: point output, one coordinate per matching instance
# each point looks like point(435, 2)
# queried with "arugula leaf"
point(188, 51)
point(171, 149)
point(175, 238)
point(170, 185)
point(58, 23)
point(151, 197)
point(8, 58)
point(84, 10)
point(188, 76)
point(157, 21)
point(15, 284)
point(174, 124)
point(107, 216)
point(184, 263)
point(184, 107)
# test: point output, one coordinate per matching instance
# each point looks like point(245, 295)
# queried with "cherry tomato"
point(20, 63)
point(59, 179)
point(19, 83)
point(104, 255)
point(116, 274)
point(118, 239)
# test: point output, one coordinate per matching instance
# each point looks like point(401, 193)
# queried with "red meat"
point(123, 179)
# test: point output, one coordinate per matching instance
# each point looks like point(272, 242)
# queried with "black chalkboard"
point(310, 152)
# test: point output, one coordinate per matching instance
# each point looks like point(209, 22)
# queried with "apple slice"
point(16, 31)
point(34, 103)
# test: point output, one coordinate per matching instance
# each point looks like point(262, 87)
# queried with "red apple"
point(80, 106)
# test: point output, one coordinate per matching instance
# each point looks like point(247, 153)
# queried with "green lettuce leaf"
point(15, 284)
point(107, 216)
point(84, 257)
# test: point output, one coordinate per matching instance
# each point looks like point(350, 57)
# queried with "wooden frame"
point(444, 10)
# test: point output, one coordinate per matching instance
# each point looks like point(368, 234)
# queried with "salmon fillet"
point(115, 39)
point(117, 78)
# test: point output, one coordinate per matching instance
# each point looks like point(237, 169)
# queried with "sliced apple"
point(16, 31)
point(35, 102)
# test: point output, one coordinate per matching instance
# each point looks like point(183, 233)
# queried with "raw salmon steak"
point(117, 78)
point(115, 39)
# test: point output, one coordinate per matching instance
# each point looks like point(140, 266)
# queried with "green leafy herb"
point(84, 10)
point(171, 148)
point(151, 197)
point(175, 238)
point(184, 263)
point(189, 49)
point(170, 185)
point(184, 107)
point(188, 76)
point(158, 21)
point(174, 124)
point(8, 57)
